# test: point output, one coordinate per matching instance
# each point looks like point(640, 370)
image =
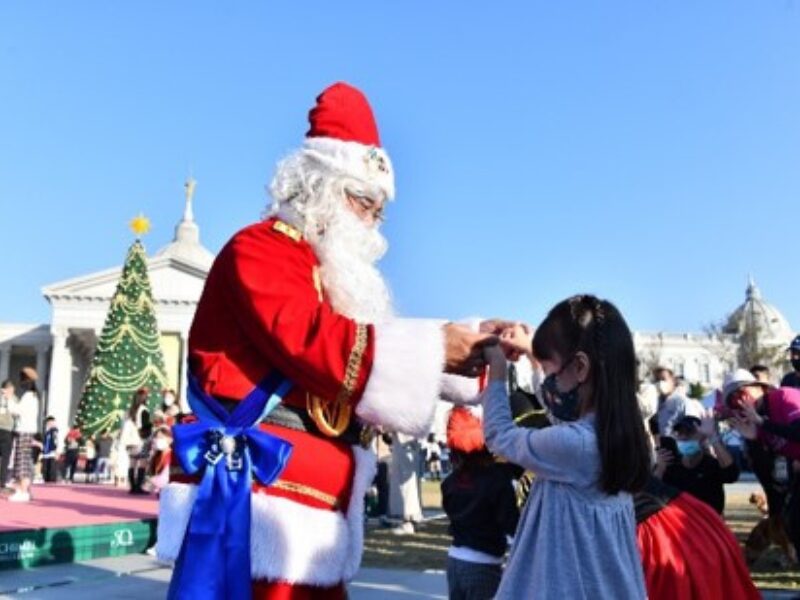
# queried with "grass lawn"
point(427, 548)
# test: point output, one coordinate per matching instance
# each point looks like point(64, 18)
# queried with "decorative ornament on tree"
point(128, 355)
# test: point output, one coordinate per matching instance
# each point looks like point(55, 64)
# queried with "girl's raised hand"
point(516, 340)
point(496, 360)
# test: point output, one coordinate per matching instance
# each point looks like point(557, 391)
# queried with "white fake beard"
point(348, 250)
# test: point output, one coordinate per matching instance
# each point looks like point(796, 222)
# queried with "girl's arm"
point(553, 453)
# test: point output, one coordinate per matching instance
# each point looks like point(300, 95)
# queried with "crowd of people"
point(692, 448)
point(134, 453)
point(585, 465)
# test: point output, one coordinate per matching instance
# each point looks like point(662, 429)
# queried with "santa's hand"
point(463, 350)
point(495, 326)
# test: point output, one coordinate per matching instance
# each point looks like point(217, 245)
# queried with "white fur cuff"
point(289, 541)
point(460, 390)
point(404, 383)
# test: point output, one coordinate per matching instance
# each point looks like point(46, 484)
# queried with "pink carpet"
point(56, 505)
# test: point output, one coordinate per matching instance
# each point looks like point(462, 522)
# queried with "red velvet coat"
point(263, 308)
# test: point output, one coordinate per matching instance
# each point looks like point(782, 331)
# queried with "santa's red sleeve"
point(390, 371)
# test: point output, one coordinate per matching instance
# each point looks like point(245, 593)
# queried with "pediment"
point(173, 280)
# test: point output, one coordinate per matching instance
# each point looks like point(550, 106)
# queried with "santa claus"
point(295, 355)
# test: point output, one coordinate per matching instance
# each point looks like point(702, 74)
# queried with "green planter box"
point(36, 547)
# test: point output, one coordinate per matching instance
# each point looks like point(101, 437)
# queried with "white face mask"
point(161, 444)
point(664, 388)
point(169, 399)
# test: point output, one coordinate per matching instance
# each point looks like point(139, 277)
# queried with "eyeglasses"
point(366, 206)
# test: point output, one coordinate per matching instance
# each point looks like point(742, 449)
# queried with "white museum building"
point(61, 351)
point(705, 357)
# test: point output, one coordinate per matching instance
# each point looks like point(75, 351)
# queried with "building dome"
point(769, 323)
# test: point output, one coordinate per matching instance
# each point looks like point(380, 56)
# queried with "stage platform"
point(68, 523)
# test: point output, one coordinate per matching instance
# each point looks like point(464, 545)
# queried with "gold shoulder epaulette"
point(287, 230)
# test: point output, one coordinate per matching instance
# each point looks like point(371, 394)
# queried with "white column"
point(5, 360)
point(183, 373)
point(41, 369)
point(60, 382)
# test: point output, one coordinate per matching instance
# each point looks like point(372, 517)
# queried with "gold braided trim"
point(304, 490)
point(287, 230)
point(315, 277)
point(288, 486)
point(333, 417)
point(353, 364)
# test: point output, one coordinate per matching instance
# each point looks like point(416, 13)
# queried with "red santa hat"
point(343, 138)
point(464, 431)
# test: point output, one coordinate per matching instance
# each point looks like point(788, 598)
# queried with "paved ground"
point(137, 576)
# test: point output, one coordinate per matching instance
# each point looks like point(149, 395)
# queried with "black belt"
point(298, 419)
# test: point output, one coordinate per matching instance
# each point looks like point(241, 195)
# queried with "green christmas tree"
point(128, 355)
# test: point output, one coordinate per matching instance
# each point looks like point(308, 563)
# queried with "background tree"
point(128, 355)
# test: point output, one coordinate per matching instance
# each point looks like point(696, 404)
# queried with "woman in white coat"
point(27, 413)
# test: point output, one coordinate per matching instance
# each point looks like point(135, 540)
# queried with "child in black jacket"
point(50, 451)
point(479, 499)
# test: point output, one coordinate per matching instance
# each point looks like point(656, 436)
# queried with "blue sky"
point(645, 151)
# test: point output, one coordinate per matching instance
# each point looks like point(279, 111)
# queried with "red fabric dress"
point(688, 552)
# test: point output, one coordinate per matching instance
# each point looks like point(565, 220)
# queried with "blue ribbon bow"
point(227, 450)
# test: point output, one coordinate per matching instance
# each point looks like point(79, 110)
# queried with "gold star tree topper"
point(140, 225)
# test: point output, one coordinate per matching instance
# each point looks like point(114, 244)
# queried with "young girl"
point(577, 536)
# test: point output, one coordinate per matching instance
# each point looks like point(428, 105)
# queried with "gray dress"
point(573, 540)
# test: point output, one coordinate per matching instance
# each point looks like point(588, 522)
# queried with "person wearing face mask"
point(577, 535)
point(792, 379)
point(161, 455)
point(170, 407)
point(769, 419)
point(698, 463)
point(671, 402)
